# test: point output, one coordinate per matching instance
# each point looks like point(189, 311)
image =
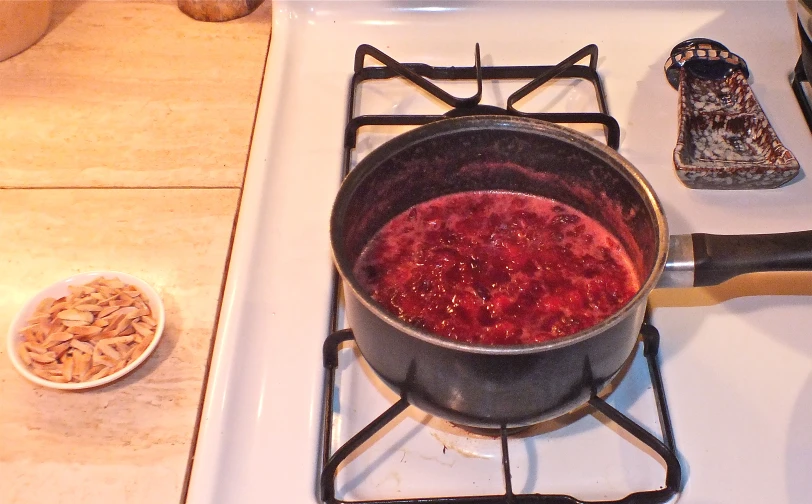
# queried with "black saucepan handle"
point(720, 257)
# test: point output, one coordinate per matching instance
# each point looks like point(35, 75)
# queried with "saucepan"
point(491, 386)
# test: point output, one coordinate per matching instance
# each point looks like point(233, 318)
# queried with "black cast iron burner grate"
point(421, 75)
point(665, 449)
point(799, 81)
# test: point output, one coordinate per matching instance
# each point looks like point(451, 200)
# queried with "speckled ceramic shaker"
point(725, 140)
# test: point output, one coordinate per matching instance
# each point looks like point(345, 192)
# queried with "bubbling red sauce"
point(497, 268)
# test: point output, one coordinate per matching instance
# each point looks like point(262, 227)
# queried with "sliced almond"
point(121, 327)
point(34, 347)
point(141, 347)
point(88, 308)
point(108, 311)
point(82, 346)
point(137, 352)
point(108, 351)
point(81, 365)
point(60, 349)
point(94, 340)
point(75, 315)
point(73, 302)
point(43, 358)
point(101, 374)
point(101, 322)
point(45, 304)
point(91, 371)
point(113, 283)
point(32, 335)
point(148, 320)
point(42, 374)
point(36, 320)
point(74, 323)
point(30, 328)
point(51, 325)
point(23, 353)
point(85, 330)
point(106, 361)
point(142, 328)
point(118, 339)
point(115, 320)
point(52, 367)
point(127, 331)
point(67, 368)
point(107, 292)
point(119, 366)
point(57, 337)
point(127, 354)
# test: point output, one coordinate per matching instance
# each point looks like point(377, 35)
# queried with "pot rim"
point(490, 122)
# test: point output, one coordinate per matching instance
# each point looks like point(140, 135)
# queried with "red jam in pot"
point(497, 268)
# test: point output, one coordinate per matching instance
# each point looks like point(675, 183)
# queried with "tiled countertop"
point(124, 135)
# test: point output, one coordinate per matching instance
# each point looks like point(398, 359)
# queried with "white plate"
point(60, 289)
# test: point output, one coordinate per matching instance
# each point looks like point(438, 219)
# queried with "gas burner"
point(803, 91)
point(491, 433)
point(476, 110)
point(421, 75)
point(664, 449)
point(800, 80)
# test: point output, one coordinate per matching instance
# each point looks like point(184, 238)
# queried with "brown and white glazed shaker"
point(725, 140)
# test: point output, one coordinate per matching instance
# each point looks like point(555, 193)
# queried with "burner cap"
point(494, 432)
point(476, 110)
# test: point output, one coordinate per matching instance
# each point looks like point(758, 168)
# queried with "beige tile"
point(132, 95)
point(129, 441)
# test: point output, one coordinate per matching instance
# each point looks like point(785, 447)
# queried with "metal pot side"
point(489, 390)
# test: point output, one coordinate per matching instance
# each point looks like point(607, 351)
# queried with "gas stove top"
point(736, 359)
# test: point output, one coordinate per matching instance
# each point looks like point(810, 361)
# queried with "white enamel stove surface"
point(736, 359)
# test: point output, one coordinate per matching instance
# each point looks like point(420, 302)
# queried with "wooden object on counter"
point(22, 24)
point(217, 10)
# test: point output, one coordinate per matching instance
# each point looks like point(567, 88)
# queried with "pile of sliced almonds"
point(95, 331)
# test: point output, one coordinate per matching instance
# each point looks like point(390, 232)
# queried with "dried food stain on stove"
point(473, 450)
point(446, 463)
